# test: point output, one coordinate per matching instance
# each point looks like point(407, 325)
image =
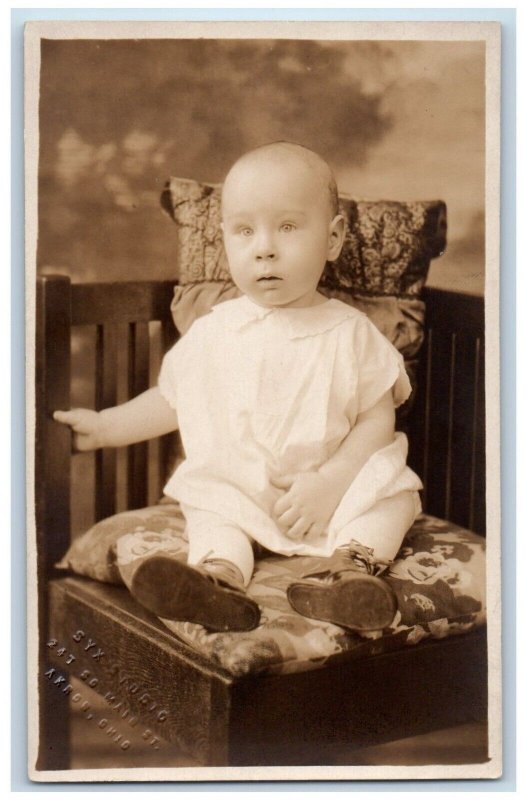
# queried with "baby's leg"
point(383, 527)
point(212, 538)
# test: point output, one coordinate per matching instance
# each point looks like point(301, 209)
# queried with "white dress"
point(261, 393)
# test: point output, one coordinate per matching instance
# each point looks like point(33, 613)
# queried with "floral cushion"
point(438, 578)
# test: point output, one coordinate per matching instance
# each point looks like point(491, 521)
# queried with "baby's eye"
point(246, 231)
point(287, 227)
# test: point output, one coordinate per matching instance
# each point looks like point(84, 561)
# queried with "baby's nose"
point(265, 248)
point(266, 255)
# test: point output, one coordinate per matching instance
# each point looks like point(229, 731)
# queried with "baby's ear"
point(337, 231)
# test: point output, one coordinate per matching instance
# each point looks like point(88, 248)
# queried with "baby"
point(285, 402)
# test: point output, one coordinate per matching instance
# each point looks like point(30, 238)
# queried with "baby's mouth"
point(269, 278)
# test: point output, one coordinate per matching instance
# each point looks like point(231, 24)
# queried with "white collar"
point(297, 322)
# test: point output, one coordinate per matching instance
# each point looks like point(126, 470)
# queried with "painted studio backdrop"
point(396, 120)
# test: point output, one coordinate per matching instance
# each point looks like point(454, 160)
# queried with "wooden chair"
point(179, 695)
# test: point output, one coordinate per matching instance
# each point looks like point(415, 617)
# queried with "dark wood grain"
point(447, 425)
point(265, 720)
point(52, 491)
point(126, 301)
point(143, 665)
point(453, 311)
point(359, 702)
point(478, 465)
point(52, 440)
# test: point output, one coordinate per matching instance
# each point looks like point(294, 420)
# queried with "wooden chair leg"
point(54, 722)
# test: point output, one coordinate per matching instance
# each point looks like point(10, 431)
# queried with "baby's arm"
point(312, 497)
point(146, 416)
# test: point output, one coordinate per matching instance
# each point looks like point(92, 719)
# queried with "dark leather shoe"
point(343, 590)
point(352, 600)
point(174, 590)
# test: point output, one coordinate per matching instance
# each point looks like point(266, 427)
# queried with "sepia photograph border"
point(490, 32)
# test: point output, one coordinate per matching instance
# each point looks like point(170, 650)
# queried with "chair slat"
point(169, 444)
point(462, 428)
point(480, 457)
point(138, 381)
point(475, 409)
point(105, 397)
point(450, 428)
point(428, 402)
point(436, 446)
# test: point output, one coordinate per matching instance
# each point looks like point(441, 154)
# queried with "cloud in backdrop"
point(400, 120)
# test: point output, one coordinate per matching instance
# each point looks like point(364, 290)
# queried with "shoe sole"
point(359, 602)
point(176, 591)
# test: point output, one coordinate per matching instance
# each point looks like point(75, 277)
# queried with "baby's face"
point(278, 232)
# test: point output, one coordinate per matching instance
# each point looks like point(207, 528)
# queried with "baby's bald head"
point(281, 224)
point(289, 155)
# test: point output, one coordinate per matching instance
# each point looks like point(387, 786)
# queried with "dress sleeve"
point(174, 367)
point(167, 381)
point(380, 367)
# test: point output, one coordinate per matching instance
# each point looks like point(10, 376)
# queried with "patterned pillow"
point(94, 552)
point(438, 577)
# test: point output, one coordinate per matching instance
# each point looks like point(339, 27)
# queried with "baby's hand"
point(86, 425)
point(307, 505)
